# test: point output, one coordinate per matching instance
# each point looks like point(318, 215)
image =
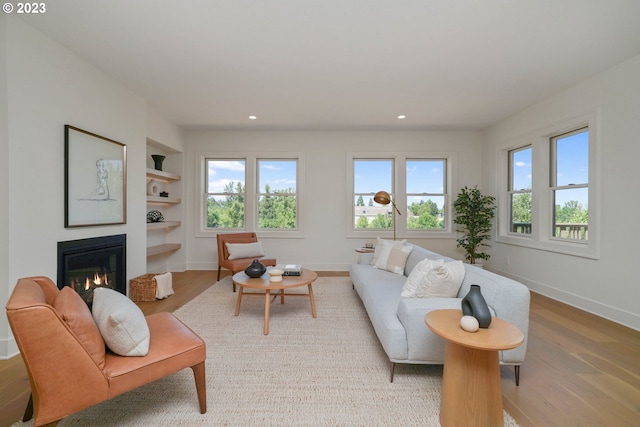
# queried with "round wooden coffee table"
point(471, 389)
point(264, 283)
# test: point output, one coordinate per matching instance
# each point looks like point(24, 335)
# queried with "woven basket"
point(143, 288)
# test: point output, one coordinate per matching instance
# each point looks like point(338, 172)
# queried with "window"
point(418, 186)
point(569, 185)
point(252, 192)
point(371, 176)
point(277, 195)
point(520, 190)
point(426, 190)
point(225, 193)
point(549, 192)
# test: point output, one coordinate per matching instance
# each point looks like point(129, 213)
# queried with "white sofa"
point(399, 321)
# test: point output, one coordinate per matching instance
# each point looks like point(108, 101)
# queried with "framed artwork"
point(95, 179)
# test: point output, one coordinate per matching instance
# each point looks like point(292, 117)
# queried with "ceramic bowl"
point(275, 275)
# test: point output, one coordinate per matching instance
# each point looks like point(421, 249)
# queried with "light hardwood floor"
point(580, 370)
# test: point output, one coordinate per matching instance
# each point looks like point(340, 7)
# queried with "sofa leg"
point(393, 368)
point(517, 370)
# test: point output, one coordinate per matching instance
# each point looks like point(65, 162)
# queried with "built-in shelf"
point(161, 249)
point(162, 175)
point(163, 200)
point(163, 224)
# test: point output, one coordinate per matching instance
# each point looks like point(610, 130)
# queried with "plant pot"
point(474, 304)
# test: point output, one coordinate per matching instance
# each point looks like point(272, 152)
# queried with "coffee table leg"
point(313, 302)
point(267, 309)
point(238, 300)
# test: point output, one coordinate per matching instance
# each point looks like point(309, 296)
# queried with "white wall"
point(4, 185)
point(324, 246)
point(607, 286)
point(47, 87)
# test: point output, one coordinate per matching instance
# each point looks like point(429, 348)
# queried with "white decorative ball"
point(469, 323)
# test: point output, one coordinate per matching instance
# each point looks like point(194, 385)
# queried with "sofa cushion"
point(245, 250)
point(393, 256)
point(443, 280)
point(75, 313)
point(121, 323)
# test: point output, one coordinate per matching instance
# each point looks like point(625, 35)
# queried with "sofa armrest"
point(365, 258)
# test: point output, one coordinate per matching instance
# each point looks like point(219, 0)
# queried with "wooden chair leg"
point(28, 411)
point(219, 268)
point(201, 385)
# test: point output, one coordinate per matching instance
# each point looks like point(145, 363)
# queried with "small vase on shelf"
point(157, 160)
point(474, 304)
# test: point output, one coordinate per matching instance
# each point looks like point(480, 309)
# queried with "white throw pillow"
point(443, 280)
point(393, 256)
point(121, 323)
point(416, 277)
point(244, 250)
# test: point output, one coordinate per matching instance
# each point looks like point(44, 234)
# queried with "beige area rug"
point(328, 371)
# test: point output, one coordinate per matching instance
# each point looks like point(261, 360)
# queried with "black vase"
point(473, 304)
point(255, 269)
point(158, 159)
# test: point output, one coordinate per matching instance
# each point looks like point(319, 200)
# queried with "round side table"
point(471, 389)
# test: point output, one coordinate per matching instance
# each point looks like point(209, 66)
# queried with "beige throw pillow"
point(393, 256)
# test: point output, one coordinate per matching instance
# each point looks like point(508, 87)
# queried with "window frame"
point(251, 193)
point(542, 212)
point(399, 194)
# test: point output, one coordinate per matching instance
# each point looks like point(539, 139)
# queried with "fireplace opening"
point(86, 264)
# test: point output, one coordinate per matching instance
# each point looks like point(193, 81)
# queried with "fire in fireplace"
point(86, 264)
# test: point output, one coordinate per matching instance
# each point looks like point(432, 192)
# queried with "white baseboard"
point(608, 312)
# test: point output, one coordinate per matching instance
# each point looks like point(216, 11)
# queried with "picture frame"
point(95, 179)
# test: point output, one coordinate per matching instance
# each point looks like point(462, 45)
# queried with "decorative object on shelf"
point(275, 275)
point(255, 269)
point(95, 178)
point(157, 160)
point(473, 304)
point(474, 213)
point(164, 194)
point(469, 323)
point(155, 216)
point(153, 188)
point(383, 198)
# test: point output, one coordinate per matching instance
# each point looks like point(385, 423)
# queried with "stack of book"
point(290, 269)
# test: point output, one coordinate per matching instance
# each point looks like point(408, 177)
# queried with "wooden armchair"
point(236, 265)
point(69, 366)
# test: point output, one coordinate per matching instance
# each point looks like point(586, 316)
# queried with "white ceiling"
point(345, 64)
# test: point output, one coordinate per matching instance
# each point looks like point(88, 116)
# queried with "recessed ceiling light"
point(402, 116)
point(252, 117)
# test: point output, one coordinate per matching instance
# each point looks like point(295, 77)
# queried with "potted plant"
point(474, 213)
